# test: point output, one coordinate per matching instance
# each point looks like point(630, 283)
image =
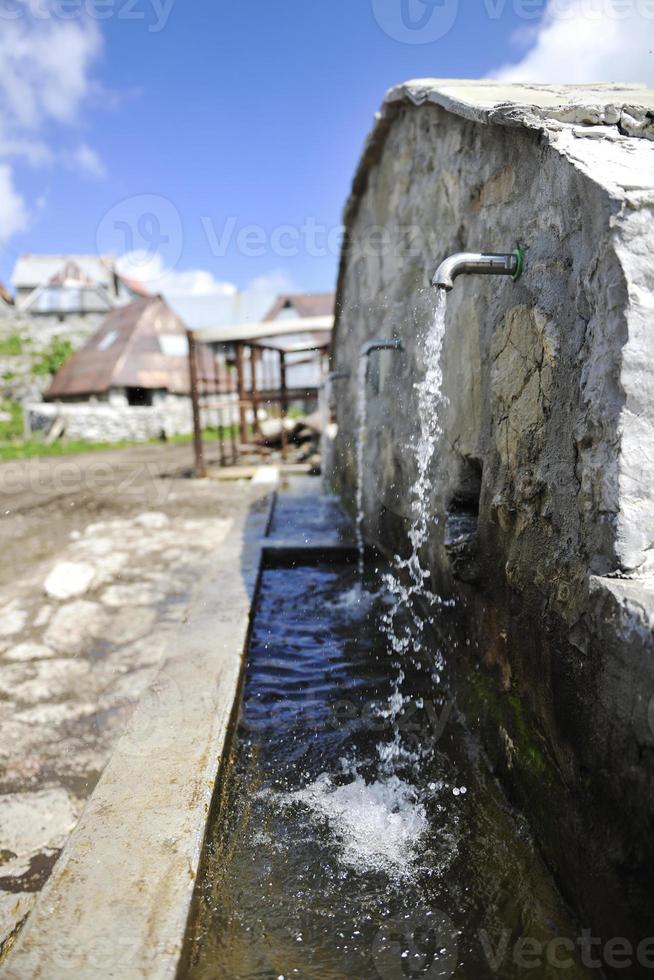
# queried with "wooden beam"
point(198, 449)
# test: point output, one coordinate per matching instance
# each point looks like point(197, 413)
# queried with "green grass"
point(48, 361)
point(30, 448)
point(17, 448)
point(12, 345)
point(12, 429)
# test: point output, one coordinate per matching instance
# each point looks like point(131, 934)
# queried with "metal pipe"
point(335, 376)
point(478, 263)
point(394, 343)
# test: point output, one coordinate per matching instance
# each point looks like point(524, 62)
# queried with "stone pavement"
point(81, 636)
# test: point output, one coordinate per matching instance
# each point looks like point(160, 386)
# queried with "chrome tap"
point(478, 263)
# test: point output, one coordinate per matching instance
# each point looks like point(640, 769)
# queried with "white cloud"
point(44, 68)
point(149, 269)
point(87, 161)
point(588, 41)
point(275, 281)
point(13, 211)
point(45, 65)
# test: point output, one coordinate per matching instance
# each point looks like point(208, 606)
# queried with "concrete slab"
point(117, 902)
point(485, 100)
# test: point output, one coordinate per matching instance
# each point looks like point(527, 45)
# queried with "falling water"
point(410, 582)
point(324, 407)
point(362, 418)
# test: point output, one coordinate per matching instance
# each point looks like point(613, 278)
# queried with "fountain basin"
point(320, 853)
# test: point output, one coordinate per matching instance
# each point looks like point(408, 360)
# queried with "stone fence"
point(114, 423)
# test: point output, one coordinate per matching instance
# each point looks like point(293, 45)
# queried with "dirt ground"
point(100, 554)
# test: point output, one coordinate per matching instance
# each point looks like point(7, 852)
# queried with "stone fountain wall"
point(543, 492)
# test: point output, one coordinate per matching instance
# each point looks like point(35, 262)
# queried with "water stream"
point(320, 867)
point(404, 623)
point(359, 834)
point(362, 427)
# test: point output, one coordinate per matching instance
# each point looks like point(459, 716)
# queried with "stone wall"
point(18, 379)
point(542, 493)
point(97, 422)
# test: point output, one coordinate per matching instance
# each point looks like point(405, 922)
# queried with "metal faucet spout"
point(394, 343)
point(336, 376)
point(478, 263)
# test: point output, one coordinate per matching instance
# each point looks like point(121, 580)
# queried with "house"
point(6, 302)
point(300, 306)
point(69, 295)
point(5, 295)
point(130, 380)
point(204, 311)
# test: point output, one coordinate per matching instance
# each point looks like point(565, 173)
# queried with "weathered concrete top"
point(611, 104)
point(592, 125)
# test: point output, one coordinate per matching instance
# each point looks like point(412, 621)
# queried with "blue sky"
point(168, 125)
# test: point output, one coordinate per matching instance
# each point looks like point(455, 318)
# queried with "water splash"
point(362, 418)
point(377, 826)
point(356, 603)
point(410, 581)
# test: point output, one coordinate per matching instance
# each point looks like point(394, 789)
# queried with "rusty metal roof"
point(141, 345)
point(304, 304)
point(253, 332)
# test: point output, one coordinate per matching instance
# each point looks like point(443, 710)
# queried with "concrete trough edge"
point(118, 900)
point(283, 553)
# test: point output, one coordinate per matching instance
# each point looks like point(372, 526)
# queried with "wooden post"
point(243, 422)
point(283, 401)
point(218, 395)
point(198, 449)
point(255, 356)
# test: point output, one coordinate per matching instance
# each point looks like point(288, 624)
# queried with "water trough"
point(352, 804)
